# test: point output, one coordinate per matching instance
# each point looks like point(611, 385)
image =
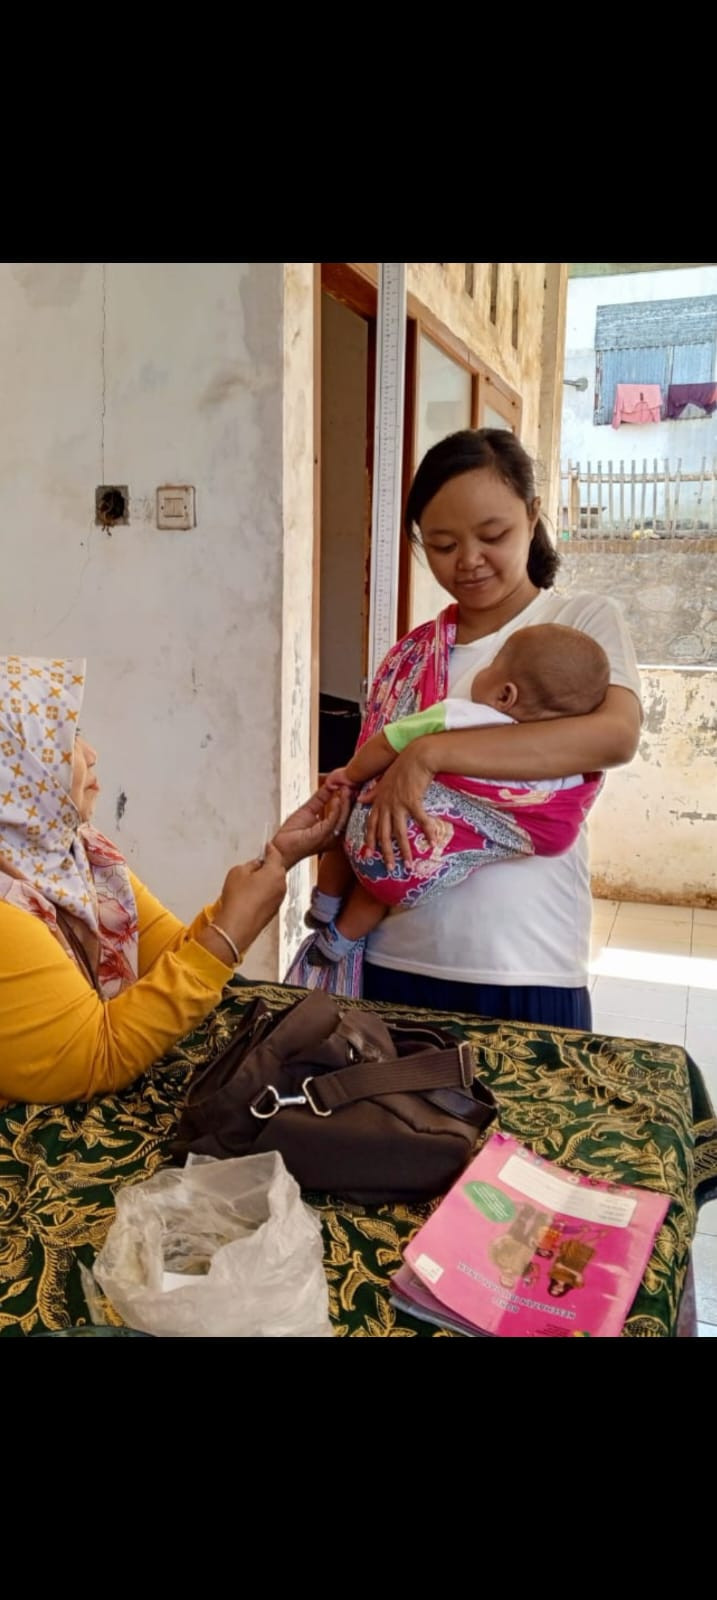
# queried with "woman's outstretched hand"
point(313, 827)
point(397, 796)
point(254, 890)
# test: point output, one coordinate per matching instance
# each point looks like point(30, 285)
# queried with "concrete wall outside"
point(667, 589)
point(653, 831)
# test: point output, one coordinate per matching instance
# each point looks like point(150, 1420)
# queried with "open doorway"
point(347, 369)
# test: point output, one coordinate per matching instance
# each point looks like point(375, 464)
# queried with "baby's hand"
point(338, 779)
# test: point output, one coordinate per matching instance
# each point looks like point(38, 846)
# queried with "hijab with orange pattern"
point(50, 859)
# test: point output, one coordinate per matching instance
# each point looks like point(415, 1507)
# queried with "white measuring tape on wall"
point(387, 461)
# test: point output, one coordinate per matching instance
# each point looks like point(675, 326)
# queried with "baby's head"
point(546, 671)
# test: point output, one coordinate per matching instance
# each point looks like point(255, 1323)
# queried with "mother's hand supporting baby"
point(604, 738)
point(397, 796)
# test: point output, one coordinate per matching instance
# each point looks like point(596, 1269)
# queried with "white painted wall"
point(581, 440)
point(653, 832)
point(148, 374)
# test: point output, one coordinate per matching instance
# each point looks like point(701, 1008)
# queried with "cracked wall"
point(667, 589)
point(152, 374)
point(653, 832)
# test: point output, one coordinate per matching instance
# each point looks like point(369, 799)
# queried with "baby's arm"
point(369, 762)
point(373, 757)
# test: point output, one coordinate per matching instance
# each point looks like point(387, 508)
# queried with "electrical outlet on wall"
point(176, 507)
point(111, 505)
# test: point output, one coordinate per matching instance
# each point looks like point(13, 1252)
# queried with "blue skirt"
point(552, 1008)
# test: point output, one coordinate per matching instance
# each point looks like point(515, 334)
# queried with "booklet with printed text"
point(520, 1247)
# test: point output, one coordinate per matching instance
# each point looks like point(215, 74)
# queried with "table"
point(619, 1109)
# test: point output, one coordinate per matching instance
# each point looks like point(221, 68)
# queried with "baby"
point(540, 672)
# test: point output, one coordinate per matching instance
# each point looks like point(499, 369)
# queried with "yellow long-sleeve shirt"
point(60, 1041)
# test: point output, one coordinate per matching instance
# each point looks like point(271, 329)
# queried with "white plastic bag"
point(217, 1248)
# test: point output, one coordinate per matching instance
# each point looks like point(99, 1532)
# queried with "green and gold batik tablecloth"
point(615, 1108)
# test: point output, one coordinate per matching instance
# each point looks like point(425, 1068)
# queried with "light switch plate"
point(175, 506)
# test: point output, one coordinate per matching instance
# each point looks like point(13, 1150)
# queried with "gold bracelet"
point(238, 955)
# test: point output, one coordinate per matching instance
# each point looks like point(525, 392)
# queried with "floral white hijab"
point(49, 859)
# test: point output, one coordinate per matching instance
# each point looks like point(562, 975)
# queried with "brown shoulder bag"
point(357, 1106)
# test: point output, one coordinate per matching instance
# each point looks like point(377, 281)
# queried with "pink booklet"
point(522, 1248)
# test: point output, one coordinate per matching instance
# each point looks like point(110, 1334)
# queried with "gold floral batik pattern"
point(619, 1109)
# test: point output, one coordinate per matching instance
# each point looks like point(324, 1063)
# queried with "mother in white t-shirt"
point(512, 940)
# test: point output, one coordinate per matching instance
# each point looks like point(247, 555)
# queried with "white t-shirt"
point(515, 922)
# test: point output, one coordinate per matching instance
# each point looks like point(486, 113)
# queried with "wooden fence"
point(659, 500)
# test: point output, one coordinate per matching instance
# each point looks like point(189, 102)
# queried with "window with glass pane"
point(493, 419)
point(444, 406)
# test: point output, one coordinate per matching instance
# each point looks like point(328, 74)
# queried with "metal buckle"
point(309, 1101)
point(279, 1101)
point(466, 1057)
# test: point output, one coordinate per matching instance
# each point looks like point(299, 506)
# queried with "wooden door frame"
point(355, 285)
point(487, 388)
point(316, 553)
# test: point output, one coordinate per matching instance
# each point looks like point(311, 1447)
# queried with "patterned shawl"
point(414, 674)
point(49, 859)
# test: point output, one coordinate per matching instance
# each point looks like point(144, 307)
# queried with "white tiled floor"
point(654, 976)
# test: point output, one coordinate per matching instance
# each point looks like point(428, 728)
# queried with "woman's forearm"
point(60, 1041)
point(531, 750)
point(524, 751)
point(251, 896)
point(160, 931)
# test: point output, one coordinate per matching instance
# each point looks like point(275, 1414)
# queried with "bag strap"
point(431, 1069)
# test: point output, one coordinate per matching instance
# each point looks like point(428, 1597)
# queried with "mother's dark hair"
point(498, 451)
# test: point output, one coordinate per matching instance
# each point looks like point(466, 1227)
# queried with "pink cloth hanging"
point(637, 402)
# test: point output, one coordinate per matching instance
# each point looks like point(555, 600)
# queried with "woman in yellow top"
point(97, 979)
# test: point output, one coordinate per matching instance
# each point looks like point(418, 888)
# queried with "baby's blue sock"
point(324, 907)
point(333, 944)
